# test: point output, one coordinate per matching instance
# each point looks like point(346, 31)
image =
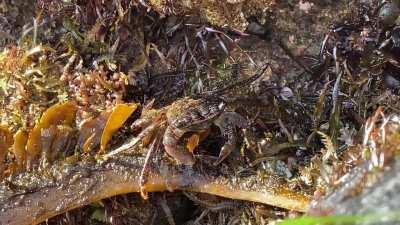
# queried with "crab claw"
point(229, 134)
point(227, 124)
point(179, 153)
point(225, 151)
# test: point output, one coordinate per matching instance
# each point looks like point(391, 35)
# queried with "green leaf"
point(393, 217)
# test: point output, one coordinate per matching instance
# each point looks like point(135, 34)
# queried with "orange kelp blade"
point(20, 140)
point(58, 114)
point(119, 115)
point(99, 130)
point(91, 130)
point(6, 140)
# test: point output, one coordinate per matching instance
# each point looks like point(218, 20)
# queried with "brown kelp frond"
point(65, 186)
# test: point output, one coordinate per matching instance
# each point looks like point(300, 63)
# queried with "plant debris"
point(93, 92)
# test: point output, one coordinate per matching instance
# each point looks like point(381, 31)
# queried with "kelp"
point(6, 141)
point(53, 138)
point(91, 130)
point(69, 186)
point(97, 132)
point(54, 120)
point(119, 115)
point(18, 148)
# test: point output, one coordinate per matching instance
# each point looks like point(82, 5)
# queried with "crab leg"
point(144, 174)
point(141, 123)
point(144, 137)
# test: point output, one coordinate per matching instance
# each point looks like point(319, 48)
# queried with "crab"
point(167, 127)
point(190, 116)
point(185, 116)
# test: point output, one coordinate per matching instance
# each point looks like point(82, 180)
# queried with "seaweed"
point(75, 75)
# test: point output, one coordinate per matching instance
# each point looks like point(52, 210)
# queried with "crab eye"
point(182, 122)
